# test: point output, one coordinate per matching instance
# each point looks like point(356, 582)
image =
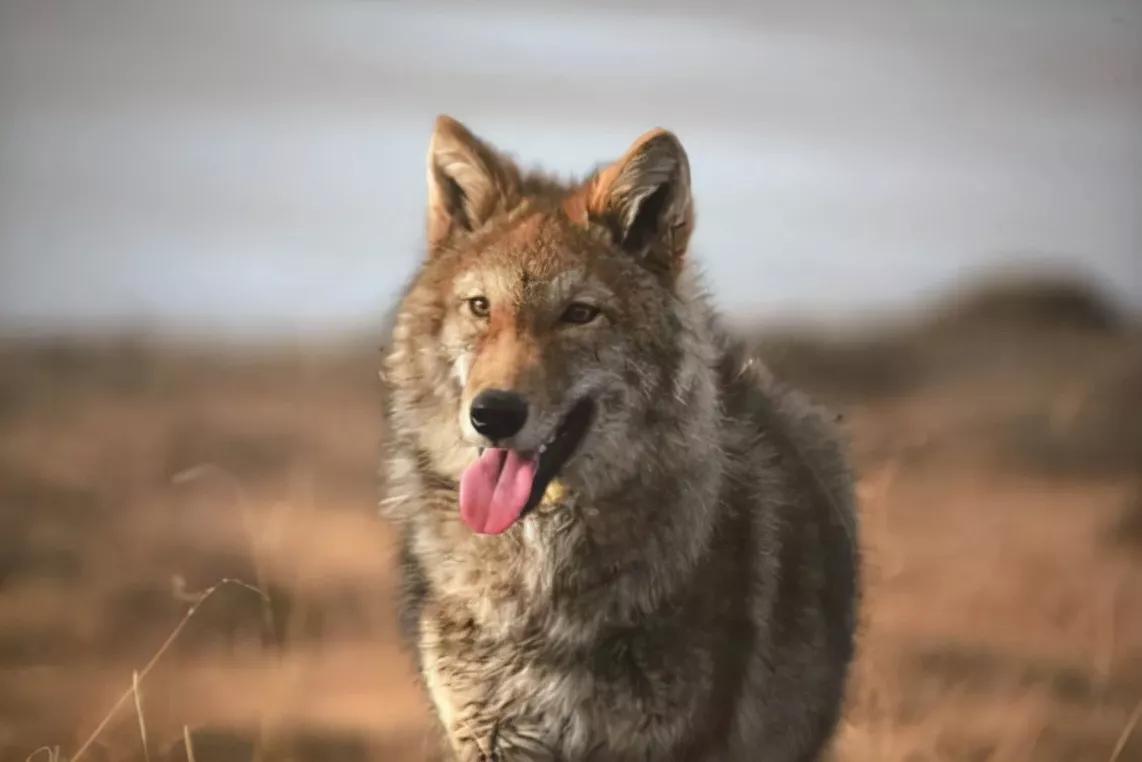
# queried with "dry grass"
point(1003, 608)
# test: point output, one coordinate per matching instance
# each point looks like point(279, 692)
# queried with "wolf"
point(621, 538)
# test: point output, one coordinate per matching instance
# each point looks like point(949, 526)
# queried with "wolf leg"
point(505, 741)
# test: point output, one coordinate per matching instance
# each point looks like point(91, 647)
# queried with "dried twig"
point(141, 674)
point(139, 713)
point(1126, 733)
point(189, 745)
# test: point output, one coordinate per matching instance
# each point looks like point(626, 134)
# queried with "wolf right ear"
point(468, 182)
point(644, 199)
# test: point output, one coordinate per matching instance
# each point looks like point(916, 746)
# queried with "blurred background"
point(928, 215)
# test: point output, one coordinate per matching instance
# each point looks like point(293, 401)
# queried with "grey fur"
point(692, 598)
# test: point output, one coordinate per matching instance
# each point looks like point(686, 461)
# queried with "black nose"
point(498, 414)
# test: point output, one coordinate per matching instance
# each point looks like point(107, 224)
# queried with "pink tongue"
point(494, 490)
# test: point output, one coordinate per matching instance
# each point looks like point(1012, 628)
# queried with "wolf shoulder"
point(788, 442)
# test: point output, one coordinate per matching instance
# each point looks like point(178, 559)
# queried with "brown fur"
point(689, 594)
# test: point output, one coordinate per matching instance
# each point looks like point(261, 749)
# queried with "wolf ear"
point(644, 200)
point(468, 182)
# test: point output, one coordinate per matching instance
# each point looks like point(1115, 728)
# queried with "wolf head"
point(543, 350)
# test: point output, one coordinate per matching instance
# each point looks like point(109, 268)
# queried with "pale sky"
point(260, 168)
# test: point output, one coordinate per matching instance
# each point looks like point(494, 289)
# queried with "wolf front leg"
point(476, 733)
point(505, 741)
point(470, 748)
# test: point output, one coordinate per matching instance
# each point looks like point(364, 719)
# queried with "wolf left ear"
point(468, 181)
point(644, 200)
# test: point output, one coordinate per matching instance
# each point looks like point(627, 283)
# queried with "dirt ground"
point(1000, 461)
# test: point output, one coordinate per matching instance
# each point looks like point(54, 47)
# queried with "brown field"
point(999, 446)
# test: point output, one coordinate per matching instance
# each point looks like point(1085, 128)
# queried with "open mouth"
point(503, 485)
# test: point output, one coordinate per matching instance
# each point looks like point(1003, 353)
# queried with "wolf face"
point(544, 325)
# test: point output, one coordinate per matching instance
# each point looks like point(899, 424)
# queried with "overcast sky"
point(248, 167)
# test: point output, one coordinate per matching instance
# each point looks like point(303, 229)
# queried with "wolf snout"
point(498, 414)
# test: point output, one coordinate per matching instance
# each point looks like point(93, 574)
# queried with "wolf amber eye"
point(580, 313)
point(479, 306)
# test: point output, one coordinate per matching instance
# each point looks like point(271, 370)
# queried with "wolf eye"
point(579, 313)
point(479, 306)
